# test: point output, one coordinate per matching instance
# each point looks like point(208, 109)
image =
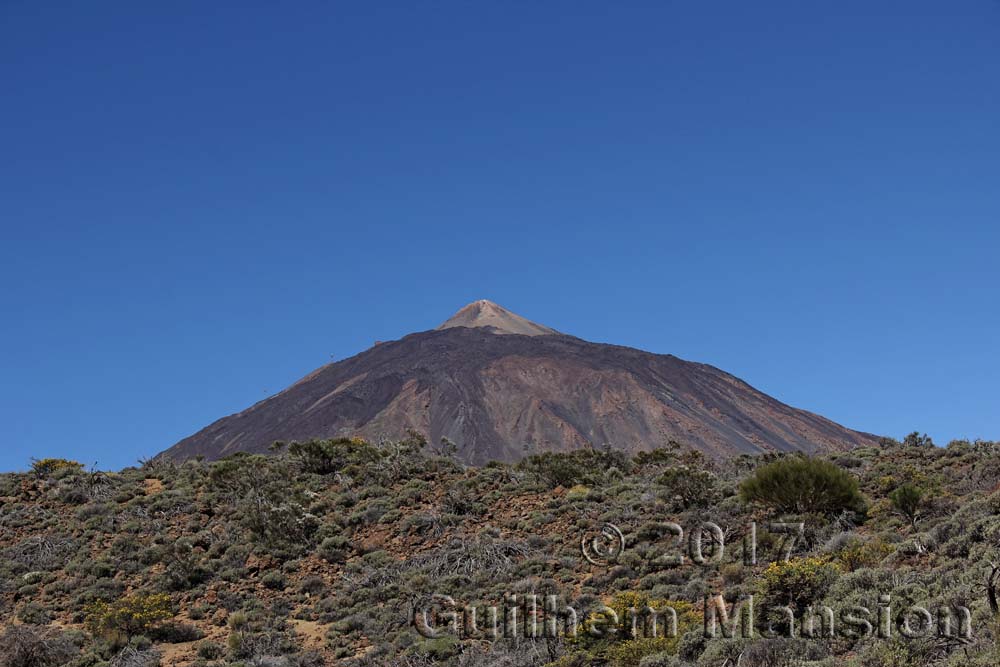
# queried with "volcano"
point(500, 386)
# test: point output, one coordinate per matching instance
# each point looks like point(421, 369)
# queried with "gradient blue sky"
point(201, 202)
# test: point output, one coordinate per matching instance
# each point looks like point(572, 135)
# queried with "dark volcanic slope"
point(501, 396)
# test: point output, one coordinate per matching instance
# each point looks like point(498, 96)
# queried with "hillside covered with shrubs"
point(343, 552)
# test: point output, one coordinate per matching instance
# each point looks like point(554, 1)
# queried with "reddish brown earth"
point(500, 386)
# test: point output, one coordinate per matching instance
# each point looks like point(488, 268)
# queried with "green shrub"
point(660, 660)
point(915, 439)
point(312, 585)
point(659, 457)
point(210, 650)
point(803, 486)
point(583, 466)
point(325, 457)
point(176, 633)
point(907, 500)
point(690, 487)
point(274, 581)
point(274, 512)
point(184, 567)
point(439, 649)
point(334, 549)
point(33, 613)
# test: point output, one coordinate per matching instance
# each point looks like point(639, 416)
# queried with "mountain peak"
point(488, 315)
point(500, 397)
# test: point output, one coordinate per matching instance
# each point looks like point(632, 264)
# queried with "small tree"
point(581, 466)
point(659, 457)
point(690, 486)
point(447, 449)
point(907, 500)
point(803, 485)
point(915, 439)
point(325, 457)
point(267, 505)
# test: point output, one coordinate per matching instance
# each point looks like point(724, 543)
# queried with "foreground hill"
point(499, 386)
point(328, 553)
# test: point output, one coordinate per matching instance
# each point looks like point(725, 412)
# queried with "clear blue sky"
point(201, 202)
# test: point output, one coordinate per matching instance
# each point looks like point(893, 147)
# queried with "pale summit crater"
point(488, 315)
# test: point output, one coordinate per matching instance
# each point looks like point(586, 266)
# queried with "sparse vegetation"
point(319, 554)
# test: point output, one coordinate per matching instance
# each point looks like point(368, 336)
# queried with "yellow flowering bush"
point(859, 554)
point(130, 616)
point(48, 467)
point(797, 582)
point(624, 648)
point(886, 483)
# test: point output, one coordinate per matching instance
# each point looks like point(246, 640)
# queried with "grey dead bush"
point(31, 647)
point(133, 657)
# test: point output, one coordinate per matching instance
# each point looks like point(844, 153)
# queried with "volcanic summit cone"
point(500, 386)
